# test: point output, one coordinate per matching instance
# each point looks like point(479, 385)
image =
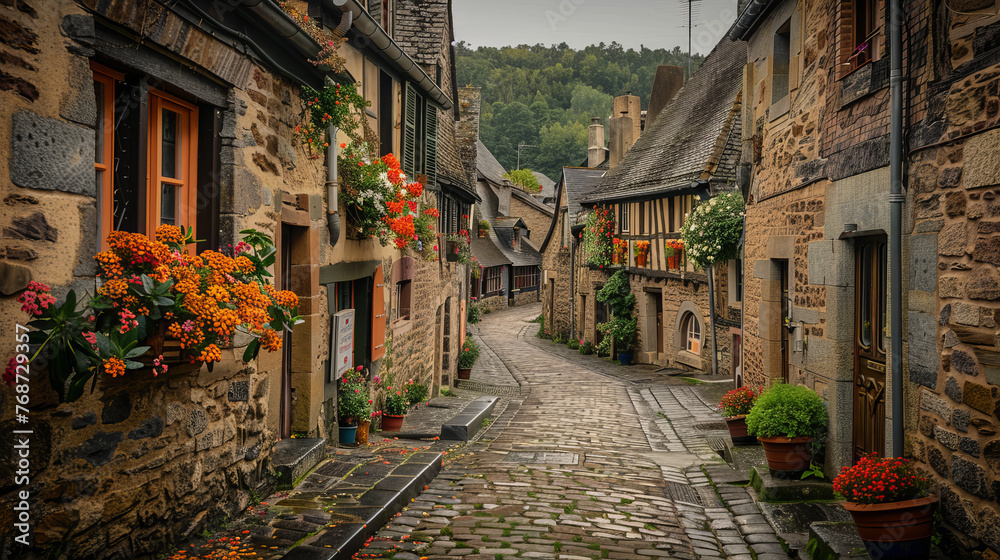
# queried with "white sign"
point(342, 343)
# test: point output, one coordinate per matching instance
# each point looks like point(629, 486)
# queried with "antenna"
point(691, 7)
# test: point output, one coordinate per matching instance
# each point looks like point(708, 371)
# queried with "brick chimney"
point(467, 127)
point(596, 151)
point(624, 127)
point(503, 198)
point(667, 82)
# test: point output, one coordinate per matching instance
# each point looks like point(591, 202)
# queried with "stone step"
point(467, 423)
point(773, 489)
point(292, 458)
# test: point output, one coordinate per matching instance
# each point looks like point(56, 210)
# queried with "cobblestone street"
point(579, 465)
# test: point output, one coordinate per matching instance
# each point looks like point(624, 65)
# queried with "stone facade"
point(820, 162)
point(140, 463)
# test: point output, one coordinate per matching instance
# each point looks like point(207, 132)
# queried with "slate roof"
point(487, 165)
point(688, 138)
point(548, 185)
point(527, 256)
point(579, 182)
point(501, 234)
point(487, 253)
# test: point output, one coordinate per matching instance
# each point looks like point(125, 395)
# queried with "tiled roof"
point(548, 185)
point(527, 256)
point(579, 182)
point(687, 139)
point(501, 232)
point(487, 253)
point(449, 162)
point(487, 165)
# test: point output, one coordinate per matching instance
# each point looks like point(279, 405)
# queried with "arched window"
point(692, 333)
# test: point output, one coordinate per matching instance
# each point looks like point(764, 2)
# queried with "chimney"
point(596, 152)
point(467, 128)
point(667, 82)
point(503, 198)
point(624, 127)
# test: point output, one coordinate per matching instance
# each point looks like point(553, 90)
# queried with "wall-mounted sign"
point(342, 343)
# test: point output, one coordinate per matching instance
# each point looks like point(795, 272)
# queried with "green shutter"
point(410, 133)
point(430, 154)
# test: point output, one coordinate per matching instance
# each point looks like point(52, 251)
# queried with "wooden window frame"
point(150, 195)
point(493, 281)
point(853, 34)
point(526, 277)
point(623, 217)
point(404, 301)
point(692, 332)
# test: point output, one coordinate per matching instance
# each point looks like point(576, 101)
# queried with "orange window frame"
point(106, 194)
point(187, 157)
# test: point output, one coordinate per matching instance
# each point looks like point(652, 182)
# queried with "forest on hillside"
point(545, 96)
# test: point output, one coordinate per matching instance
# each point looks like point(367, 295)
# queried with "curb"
point(469, 422)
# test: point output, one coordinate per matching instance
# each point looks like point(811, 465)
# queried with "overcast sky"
point(653, 23)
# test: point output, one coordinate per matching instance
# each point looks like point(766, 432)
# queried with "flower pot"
point(895, 529)
point(464, 373)
point(624, 359)
point(482, 233)
point(787, 457)
point(451, 251)
point(640, 260)
point(392, 423)
point(738, 430)
point(673, 261)
point(362, 435)
point(347, 434)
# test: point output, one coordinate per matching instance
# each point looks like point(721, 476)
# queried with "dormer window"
point(517, 239)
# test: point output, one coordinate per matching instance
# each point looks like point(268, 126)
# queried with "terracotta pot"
point(362, 435)
point(464, 373)
point(640, 260)
point(482, 233)
point(787, 456)
point(392, 423)
point(738, 430)
point(895, 529)
point(674, 261)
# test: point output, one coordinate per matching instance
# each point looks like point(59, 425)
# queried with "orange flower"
point(270, 341)
point(286, 298)
point(115, 366)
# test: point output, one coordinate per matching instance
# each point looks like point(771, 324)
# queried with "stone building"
point(86, 88)
point(687, 153)
point(816, 144)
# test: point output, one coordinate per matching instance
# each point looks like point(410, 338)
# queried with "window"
point(419, 137)
point(132, 197)
point(623, 217)
point(525, 277)
point(692, 333)
point(493, 281)
point(735, 276)
point(565, 229)
point(403, 299)
point(780, 62)
point(642, 218)
point(861, 31)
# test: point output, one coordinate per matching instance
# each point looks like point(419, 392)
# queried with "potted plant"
point(468, 357)
point(641, 251)
point(888, 499)
point(735, 406)
point(354, 404)
point(711, 232)
point(397, 402)
point(620, 330)
point(786, 419)
point(673, 248)
point(484, 228)
point(620, 251)
point(597, 237)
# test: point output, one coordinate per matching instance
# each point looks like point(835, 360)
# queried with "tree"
point(561, 145)
point(525, 179)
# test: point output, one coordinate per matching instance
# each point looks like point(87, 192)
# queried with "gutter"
point(366, 26)
point(332, 194)
point(747, 21)
point(896, 199)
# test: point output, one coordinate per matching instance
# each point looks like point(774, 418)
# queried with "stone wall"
point(537, 221)
point(555, 279)
point(677, 296)
point(954, 397)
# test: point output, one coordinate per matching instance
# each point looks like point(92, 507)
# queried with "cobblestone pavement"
point(580, 464)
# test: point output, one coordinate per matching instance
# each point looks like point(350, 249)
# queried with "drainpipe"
point(896, 198)
point(572, 276)
point(711, 316)
point(332, 202)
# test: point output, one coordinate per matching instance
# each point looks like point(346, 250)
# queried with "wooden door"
point(786, 314)
point(869, 347)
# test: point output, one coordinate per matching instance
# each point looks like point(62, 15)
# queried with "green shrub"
point(587, 348)
point(473, 314)
point(789, 411)
point(573, 344)
point(418, 393)
point(469, 355)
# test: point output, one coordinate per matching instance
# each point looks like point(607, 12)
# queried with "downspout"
point(572, 277)
point(332, 201)
point(896, 198)
point(711, 316)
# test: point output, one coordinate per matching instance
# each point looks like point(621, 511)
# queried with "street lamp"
point(519, 146)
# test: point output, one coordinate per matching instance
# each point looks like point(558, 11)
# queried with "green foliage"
point(621, 328)
point(473, 314)
point(447, 392)
point(711, 232)
point(789, 411)
point(418, 393)
point(598, 235)
point(353, 398)
point(523, 178)
point(573, 344)
point(562, 144)
point(469, 355)
point(587, 348)
point(529, 88)
point(337, 105)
